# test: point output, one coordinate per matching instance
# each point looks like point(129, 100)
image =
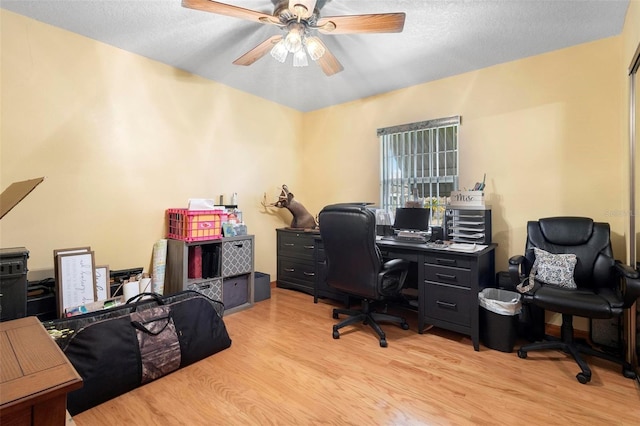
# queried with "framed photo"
point(103, 285)
point(76, 280)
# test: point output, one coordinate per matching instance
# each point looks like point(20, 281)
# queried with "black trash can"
point(499, 317)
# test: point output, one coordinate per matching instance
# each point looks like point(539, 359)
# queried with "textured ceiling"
point(440, 39)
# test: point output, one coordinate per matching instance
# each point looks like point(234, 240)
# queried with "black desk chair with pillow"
point(355, 265)
point(571, 270)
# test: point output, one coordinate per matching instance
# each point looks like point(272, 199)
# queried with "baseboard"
point(554, 330)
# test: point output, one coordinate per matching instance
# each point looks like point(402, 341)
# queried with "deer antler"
point(264, 202)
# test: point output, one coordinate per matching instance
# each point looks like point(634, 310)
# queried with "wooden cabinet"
point(222, 269)
point(296, 260)
point(451, 283)
point(36, 375)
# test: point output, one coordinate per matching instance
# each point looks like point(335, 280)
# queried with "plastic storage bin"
point(194, 225)
point(262, 286)
point(499, 317)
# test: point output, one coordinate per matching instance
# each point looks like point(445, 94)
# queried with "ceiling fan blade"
point(328, 62)
point(257, 52)
point(228, 10)
point(350, 24)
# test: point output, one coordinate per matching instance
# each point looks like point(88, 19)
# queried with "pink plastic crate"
point(194, 225)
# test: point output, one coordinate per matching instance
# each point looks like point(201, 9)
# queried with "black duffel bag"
point(119, 349)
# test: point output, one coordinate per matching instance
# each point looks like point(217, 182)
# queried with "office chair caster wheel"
point(335, 315)
point(522, 354)
point(583, 378)
point(628, 373)
point(383, 343)
point(404, 326)
point(336, 334)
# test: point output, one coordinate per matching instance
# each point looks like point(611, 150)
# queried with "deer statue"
point(302, 219)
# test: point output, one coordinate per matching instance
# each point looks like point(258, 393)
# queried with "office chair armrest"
point(626, 271)
point(395, 265)
point(516, 272)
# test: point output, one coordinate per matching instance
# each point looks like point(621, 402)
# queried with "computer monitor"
point(411, 219)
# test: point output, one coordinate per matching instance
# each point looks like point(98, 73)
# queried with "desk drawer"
point(296, 271)
point(455, 276)
point(445, 259)
point(298, 245)
point(449, 303)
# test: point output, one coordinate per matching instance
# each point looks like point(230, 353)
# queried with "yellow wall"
point(119, 138)
point(545, 129)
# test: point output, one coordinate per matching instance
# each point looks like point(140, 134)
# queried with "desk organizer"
point(195, 225)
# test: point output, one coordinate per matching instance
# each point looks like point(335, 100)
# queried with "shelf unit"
point(222, 269)
point(468, 224)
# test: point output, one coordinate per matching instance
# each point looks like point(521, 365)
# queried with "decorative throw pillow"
point(554, 269)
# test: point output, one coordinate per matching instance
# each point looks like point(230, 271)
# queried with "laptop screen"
point(411, 219)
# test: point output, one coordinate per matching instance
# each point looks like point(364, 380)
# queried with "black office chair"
point(604, 287)
point(355, 265)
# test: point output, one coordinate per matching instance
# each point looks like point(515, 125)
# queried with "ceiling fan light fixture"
point(279, 51)
point(300, 59)
point(314, 47)
point(293, 40)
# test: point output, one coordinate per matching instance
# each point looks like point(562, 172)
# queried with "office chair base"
point(570, 346)
point(366, 317)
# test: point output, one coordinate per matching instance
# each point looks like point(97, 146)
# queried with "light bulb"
point(279, 51)
point(293, 40)
point(300, 58)
point(314, 47)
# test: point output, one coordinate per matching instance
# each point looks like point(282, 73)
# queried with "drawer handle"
point(446, 277)
point(309, 274)
point(309, 247)
point(446, 261)
point(289, 244)
point(447, 305)
point(239, 245)
point(289, 270)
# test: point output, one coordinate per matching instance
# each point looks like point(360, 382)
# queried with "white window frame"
point(422, 157)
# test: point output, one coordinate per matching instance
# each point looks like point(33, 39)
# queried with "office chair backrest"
point(353, 259)
point(588, 240)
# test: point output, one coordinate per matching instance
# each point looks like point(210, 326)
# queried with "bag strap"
point(138, 299)
point(139, 325)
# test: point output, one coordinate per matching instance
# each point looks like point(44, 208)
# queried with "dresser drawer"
point(449, 303)
point(445, 259)
point(300, 245)
point(446, 275)
point(297, 271)
point(236, 257)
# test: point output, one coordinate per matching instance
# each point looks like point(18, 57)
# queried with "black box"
point(13, 283)
point(262, 286)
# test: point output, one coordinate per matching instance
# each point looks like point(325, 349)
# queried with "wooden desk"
point(448, 284)
point(35, 376)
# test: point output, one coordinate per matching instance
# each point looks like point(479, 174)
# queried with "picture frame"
point(76, 280)
point(103, 285)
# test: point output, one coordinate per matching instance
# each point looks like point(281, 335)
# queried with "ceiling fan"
point(301, 20)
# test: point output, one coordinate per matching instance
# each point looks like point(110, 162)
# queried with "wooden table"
point(35, 376)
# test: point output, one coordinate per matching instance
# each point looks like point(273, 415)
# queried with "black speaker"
point(437, 233)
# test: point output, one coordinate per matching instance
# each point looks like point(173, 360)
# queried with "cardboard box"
point(11, 196)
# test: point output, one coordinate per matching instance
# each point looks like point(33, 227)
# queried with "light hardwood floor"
point(284, 367)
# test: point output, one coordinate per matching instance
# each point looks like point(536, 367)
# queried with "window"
point(419, 160)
